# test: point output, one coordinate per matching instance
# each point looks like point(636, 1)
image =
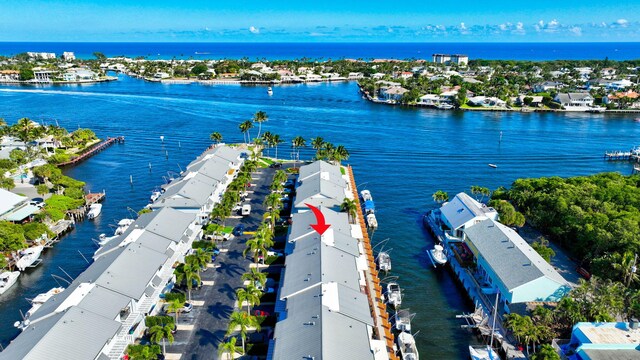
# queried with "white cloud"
point(622, 22)
point(462, 26)
point(254, 30)
point(576, 30)
point(503, 27)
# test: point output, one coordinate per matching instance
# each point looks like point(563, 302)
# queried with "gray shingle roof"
point(187, 193)
point(319, 264)
point(463, 208)
point(301, 221)
point(314, 329)
point(316, 167)
point(319, 192)
point(75, 334)
point(214, 168)
point(510, 257)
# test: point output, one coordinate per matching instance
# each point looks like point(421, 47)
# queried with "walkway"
point(205, 327)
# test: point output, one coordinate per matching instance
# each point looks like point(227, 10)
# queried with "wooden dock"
point(93, 150)
point(629, 155)
point(93, 198)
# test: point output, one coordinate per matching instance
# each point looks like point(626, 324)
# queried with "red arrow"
point(321, 226)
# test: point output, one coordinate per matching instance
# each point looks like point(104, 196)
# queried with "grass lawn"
point(267, 160)
point(343, 171)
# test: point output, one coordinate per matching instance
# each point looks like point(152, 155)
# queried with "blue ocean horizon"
point(323, 51)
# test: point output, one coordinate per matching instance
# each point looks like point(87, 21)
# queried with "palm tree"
point(627, 268)
point(143, 352)
point(161, 333)
point(317, 143)
point(255, 275)
point(244, 322)
point(175, 306)
point(25, 129)
point(440, 196)
point(266, 139)
point(216, 137)
point(260, 117)
point(275, 141)
point(218, 213)
point(339, 153)
point(273, 200)
point(229, 347)
point(257, 246)
point(199, 259)
point(479, 190)
point(251, 295)
point(280, 176)
point(245, 126)
point(297, 143)
point(190, 275)
point(351, 208)
point(272, 215)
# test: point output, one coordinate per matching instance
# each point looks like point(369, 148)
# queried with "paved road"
point(210, 320)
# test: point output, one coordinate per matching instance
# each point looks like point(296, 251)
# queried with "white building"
point(575, 101)
point(68, 56)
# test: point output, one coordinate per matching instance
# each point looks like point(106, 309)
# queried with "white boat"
point(103, 239)
point(123, 225)
point(484, 352)
point(29, 257)
point(7, 279)
point(444, 106)
point(366, 195)
point(402, 320)
point(42, 298)
point(394, 296)
point(407, 346)
point(155, 195)
point(384, 261)
point(94, 211)
point(269, 91)
point(372, 222)
point(438, 255)
point(493, 165)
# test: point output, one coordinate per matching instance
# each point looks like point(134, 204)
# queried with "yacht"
point(29, 257)
point(123, 225)
point(42, 298)
point(407, 346)
point(394, 296)
point(372, 222)
point(384, 261)
point(269, 91)
point(367, 199)
point(437, 255)
point(155, 194)
point(7, 279)
point(94, 211)
point(402, 321)
point(484, 352)
point(366, 195)
point(444, 106)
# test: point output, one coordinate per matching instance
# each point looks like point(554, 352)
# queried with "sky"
point(322, 21)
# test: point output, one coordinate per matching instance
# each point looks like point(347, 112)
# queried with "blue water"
point(273, 51)
point(402, 155)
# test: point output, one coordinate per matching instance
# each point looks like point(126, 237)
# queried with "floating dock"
point(630, 155)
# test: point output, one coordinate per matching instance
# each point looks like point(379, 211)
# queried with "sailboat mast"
point(493, 326)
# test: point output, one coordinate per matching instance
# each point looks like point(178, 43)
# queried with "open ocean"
point(275, 51)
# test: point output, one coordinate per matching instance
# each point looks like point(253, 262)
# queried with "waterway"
point(401, 154)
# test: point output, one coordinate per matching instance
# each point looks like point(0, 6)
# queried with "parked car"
point(246, 209)
point(238, 230)
point(186, 308)
point(276, 165)
point(260, 313)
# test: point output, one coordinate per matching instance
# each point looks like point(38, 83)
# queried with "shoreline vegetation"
point(595, 86)
point(29, 153)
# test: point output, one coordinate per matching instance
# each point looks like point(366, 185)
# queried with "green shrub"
point(169, 297)
point(74, 192)
point(150, 321)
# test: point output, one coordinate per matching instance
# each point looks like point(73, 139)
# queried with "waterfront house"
point(43, 75)
point(536, 101)
point(575, 101)
point(355, 76)
point(627, 97)
point(9, 75)
point(619, 85)
point(506, 264)
point(378, 75)
point(547, 86)
point(600, 341)
point(321, 184)
point(486, 101)
point(459, 213)
point(393, 93)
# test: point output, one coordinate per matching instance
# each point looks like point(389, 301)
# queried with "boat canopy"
point(368, 205)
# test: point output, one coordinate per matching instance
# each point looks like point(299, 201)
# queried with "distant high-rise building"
point(457, 59)
point(68, 56)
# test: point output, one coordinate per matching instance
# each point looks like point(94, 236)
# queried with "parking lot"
point(201, 331)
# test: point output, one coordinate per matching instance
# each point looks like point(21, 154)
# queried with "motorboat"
point(366, 195)
point(29, 257)
point(42, 298)
point(384, 261)
point(369, 206)
point(444, 106)
point(407, 346)
point(7, 279)
point(103, 239)
point(123, 225)
point(438, 255)
point(269, 91)
point(94, 211)
point(372, 222)
point(493, 166)
point(394, 296)
point(484, 352)
point(402, 320)
point(155, 194)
